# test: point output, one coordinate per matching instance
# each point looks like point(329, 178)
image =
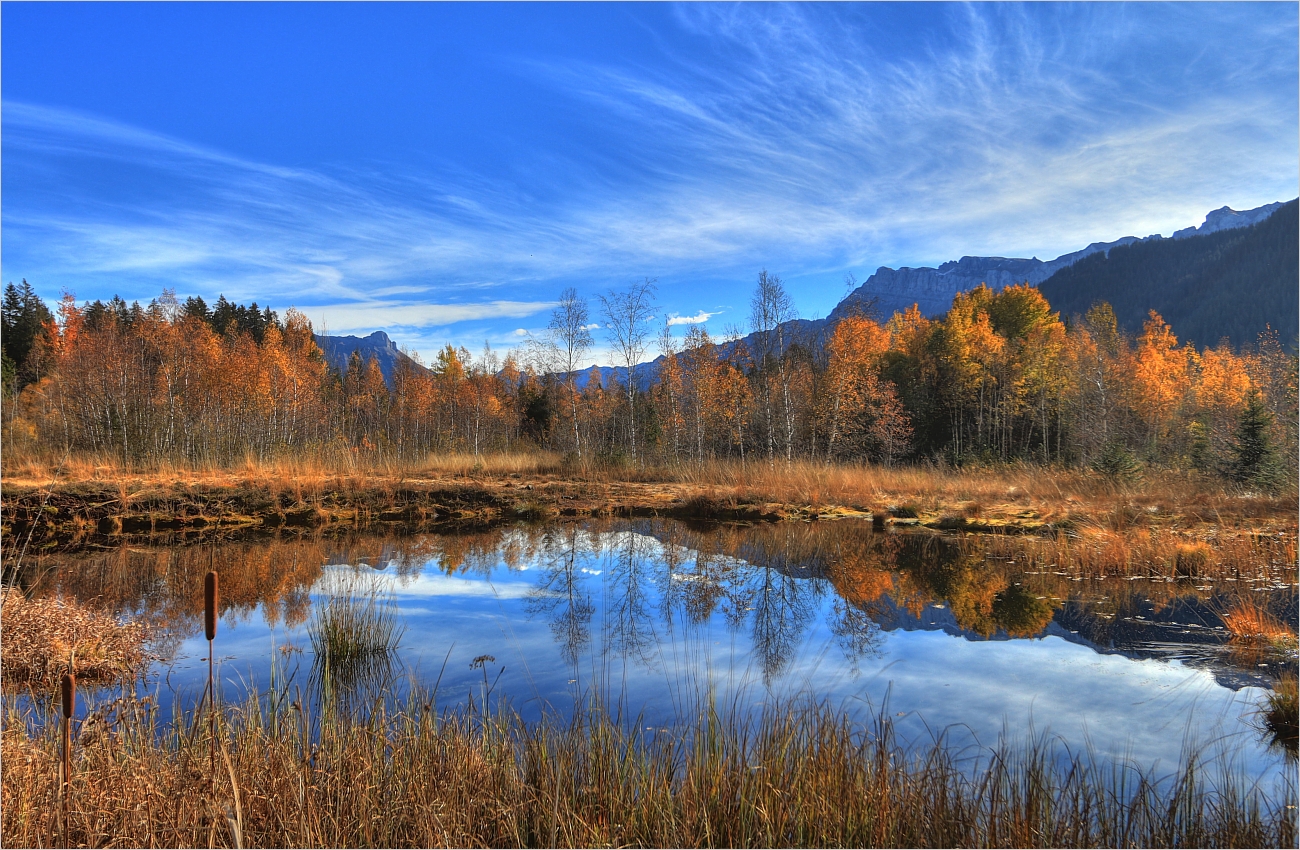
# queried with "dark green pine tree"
point(24, 315)
point(1254, 458)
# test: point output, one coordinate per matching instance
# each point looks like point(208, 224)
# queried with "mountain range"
point(338, 351)
point(895, 290)
point(1230, 278)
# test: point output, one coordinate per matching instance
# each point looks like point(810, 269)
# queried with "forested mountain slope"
point(1233, 283)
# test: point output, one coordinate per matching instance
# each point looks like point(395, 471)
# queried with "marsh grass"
point(796, 775)
point(47, 636)
point(927, 486)
point(355, 624)
point(1281, 713)
point(1250, 625)
point(1161, 553)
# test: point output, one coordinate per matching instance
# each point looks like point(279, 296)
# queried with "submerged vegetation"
point(798, 775)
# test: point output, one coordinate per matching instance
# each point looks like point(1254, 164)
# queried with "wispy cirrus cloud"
point(803, 139)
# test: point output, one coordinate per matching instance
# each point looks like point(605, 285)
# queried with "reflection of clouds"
point(1138, 708)
point(643, 653)
point(434, 584)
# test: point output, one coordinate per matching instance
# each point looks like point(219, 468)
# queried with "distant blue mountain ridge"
point(338, 351)
point(889, 290)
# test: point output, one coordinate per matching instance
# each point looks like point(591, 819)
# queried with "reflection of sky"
point(648, 657)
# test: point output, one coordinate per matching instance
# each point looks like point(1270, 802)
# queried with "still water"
point(654, 616)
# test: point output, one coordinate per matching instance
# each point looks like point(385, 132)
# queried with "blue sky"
point(444, 171)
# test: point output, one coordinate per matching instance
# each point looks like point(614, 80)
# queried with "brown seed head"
point(69, 689)
point(210, 604)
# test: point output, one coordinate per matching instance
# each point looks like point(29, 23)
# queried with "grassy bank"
point(796, 776)
point(74, 501)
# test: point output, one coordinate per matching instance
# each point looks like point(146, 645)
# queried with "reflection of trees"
point(779, 593)
point(163, 587)
point(783, 607)
point(705, 586)
point(1020, 612)
point(919, 570)
point(934, 569)
point(855, 632)
point(559, 593)
point(478, 551)
point(630, 584)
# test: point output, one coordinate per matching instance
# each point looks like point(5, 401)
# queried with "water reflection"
point(650, 608)
point(561, 595)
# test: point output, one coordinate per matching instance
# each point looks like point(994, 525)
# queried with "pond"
point(954, 636)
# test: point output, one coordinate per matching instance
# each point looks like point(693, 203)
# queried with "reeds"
point(797, 775)
point(47, 636)
point(1251, 626)
point(1281, 713)
point(1157, 553)
point(354, 624)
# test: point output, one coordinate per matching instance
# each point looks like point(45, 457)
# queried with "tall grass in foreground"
point(802, 775)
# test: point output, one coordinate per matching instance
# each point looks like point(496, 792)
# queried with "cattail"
point(69, 695)
point(69, 688)
point(210, 605)
point(210, 629)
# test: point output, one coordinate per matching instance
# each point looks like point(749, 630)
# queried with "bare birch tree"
point(627, 316)
point(770, 309)
point(567, 340)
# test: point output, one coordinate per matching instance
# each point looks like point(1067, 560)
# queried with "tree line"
point(1000, 377)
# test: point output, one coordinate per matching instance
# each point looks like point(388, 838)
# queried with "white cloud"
point(698, 318)
point(520, 332)
point(341, 317)
point(1021, 131)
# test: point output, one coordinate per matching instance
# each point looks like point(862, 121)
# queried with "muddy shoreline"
point(90, 513)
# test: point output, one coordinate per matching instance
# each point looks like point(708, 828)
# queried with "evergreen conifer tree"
point(1254, 458)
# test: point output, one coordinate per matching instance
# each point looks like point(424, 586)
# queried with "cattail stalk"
point(210, 631)
point(69, 688)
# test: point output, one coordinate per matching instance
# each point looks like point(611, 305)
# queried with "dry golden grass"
point(797, 776)
point(1050, 493)
point(313, 467)
point(1251, 625)
point(1169, 553)
point(1170, 525)
point(42, 638)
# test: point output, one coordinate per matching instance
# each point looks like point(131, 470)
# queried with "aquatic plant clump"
point(1281, 713)
point(1250, 624)
point(354, 624)
point(48, 636)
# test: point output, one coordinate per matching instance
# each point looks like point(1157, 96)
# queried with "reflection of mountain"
point(1188, 630)
point(923, 582)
